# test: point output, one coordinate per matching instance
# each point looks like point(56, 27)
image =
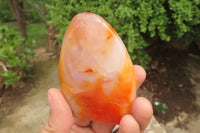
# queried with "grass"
point(35, 31)
point(38, 32)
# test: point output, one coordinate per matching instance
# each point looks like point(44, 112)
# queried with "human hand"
point(61, 119)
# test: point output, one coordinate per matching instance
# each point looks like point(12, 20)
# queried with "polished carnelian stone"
point(96, 73)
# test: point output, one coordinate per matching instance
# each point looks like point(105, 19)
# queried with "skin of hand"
point(61, 119)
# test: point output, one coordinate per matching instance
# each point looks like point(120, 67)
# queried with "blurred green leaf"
point(10, 77)
point(160, 106)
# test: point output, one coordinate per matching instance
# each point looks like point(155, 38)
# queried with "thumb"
point(60, 119)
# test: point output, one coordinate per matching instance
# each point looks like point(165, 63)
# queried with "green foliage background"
point(136, 21)
point(16, 54)
point(30, 12)
point(5, 12)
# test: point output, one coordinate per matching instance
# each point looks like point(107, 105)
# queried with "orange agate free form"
point(96, 73)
